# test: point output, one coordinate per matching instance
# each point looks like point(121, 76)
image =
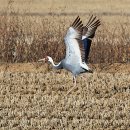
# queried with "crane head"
point(46, 59)
point(43, 60)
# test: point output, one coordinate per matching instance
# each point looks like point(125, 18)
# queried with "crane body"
point(78, 42)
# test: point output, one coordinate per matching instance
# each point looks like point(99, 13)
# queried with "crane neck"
point(56, 66)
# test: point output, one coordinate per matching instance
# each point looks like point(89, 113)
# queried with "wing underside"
point(75, 47)
point(73, 39)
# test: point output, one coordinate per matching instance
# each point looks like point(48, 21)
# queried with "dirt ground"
point(32, 97)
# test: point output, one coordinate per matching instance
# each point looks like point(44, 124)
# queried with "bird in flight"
point(78, 42)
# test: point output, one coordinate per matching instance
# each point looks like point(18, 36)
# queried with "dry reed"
point(28, 38)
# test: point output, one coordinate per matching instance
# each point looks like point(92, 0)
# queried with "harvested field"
point(33, 98)
point(32, 95)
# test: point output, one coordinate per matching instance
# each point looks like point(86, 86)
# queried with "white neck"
point(52, 62)
point(54, 65)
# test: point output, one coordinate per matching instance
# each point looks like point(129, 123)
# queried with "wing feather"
point(92, 18)
point(88, 33)
point(76, 20)
point(90, 28)
point(73, 39)
point(75, 51)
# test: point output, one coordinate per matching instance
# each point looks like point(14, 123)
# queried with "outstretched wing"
point(87, 35)
point(90, 28)
point(73, 39)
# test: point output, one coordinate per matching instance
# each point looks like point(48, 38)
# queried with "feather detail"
point(73, 40)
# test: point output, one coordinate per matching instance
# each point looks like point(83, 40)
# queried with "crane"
point(78, 42)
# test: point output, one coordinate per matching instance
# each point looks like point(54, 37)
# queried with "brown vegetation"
point(33, 98)
point(32, 95)
point(27, 38)
point(67, 6)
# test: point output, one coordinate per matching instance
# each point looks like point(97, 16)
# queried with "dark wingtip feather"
point(91, 20)
point(77, 18)
point(77, 24)
point(90, 28)
point(95, 24)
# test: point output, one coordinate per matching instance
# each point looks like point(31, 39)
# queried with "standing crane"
point(78, 42)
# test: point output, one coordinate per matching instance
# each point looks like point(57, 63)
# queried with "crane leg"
point(74, 83)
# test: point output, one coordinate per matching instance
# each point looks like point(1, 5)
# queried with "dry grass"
point(67, 6)
point(33, 99)
point(31, 96)
point(27, 38)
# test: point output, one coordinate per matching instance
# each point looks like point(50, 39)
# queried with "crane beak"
point(41, 60)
